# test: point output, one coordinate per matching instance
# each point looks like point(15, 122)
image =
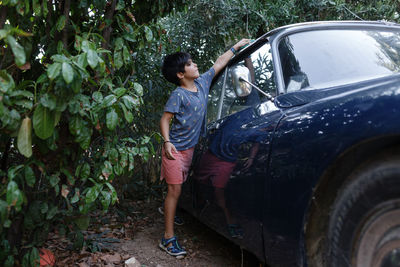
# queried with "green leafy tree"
point(69, 102)
point(81, 96)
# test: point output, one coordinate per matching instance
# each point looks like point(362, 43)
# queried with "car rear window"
point(325, 58)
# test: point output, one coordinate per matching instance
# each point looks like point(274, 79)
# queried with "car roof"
point(314, 25)
point(332, 23)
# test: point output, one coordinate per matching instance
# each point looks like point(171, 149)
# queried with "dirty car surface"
point(306, 172)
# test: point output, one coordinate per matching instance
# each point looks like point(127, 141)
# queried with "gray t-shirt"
point(189, 110)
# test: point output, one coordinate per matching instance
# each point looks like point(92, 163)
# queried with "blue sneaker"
point(174, 249)
point(177, 220)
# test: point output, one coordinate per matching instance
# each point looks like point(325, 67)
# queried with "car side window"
point(223, 100)
point(214, 99)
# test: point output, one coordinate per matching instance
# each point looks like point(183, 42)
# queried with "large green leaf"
point(119, 91)
point(148, 33)
point(6, 82)
point(49, 101)
point(27, 104)
point(76, 196)
point(111, 119)
point(82, 60)
point(97, 96)
point(78, 42)
point(92, 194)
point(126, 54)
point(53, 180)
point(14, 171)
point(109, 100)
point(84, 136)
point(61, 23)
point(27, 94)
point(30, 178)
point(57, 117)
point(124, 157)
point(138, 88)
point(54, 70)
point(59, 58)
point(24, 142)
point(114, 196)
point(76, 84)
point(14, 196)
point(34, 256)
point(43, 122)
point(68, 72)
point(3, 34)
point(107, 169)
point(18, 50)
point(113, 156)
point(118, 60)
point(106, 199)
point(85, 171)
point(75, 125)
point(92, 58)
point(127, 114)
point(129, 101)
point(119, 43)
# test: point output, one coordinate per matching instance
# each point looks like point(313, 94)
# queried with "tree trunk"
point(4, 159)
point(108, 16)
point(3, 16)
point(67, 7)
point(49, 18)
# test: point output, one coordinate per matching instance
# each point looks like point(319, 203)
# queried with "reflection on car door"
point(226, 187)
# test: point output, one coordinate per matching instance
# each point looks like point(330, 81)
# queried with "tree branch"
point(3, 16)
point(49, 17)
point(108, 16)
point(4, 159)
point(67, 7)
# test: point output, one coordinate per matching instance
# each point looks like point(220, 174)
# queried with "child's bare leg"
point(220, 198)
point(171, 201)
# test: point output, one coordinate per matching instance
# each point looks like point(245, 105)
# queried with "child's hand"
point(169, 148)
point(248, 163)
point(241, 43)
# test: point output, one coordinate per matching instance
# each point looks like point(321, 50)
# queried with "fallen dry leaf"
point(83, 264)
point(115, 258)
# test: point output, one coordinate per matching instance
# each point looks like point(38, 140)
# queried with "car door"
point(226, 187)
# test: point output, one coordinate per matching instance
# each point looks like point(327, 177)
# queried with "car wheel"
point(364, 226)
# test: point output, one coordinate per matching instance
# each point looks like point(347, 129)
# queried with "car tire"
point(364, 226)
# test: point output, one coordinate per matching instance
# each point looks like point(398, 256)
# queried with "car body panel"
point(297, 139)
point(298, 159)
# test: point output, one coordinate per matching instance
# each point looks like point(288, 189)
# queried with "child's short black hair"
point(173, 64)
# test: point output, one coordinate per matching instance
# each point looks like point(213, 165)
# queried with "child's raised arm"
point(221, 62)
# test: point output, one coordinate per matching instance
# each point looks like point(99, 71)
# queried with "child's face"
point(191, 70)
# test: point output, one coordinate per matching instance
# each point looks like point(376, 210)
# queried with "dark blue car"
point(301, 160)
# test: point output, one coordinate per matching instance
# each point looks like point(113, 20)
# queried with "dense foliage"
point(81, 96)
point(68, 106)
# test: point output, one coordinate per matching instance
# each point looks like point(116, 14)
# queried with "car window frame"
point(234, 61)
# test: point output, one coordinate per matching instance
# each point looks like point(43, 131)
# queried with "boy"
point(187, 107)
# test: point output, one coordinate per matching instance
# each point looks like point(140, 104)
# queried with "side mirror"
point(240, 74)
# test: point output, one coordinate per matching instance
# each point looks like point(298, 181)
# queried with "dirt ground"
point(137, 232)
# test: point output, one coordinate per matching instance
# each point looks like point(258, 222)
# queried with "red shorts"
point(214, 170)
point(175, 171)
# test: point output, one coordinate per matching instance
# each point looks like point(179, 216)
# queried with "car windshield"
point(325, 58)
